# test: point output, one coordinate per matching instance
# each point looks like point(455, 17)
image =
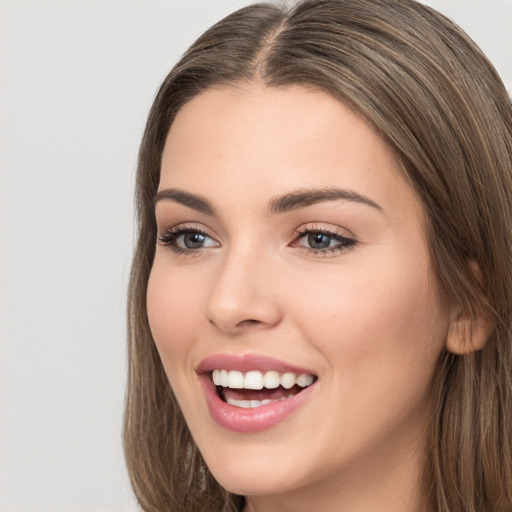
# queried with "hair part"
point(438, 103)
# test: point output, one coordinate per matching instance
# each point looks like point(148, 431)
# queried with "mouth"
point(252, 393)
point(253, 389)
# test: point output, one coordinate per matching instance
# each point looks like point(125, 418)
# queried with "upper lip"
point(246, 363)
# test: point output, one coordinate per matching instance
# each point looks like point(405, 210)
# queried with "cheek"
point(173, 311)
point(380, 335)
point(382, 324)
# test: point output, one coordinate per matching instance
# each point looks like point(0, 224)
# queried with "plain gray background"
point(77, 78)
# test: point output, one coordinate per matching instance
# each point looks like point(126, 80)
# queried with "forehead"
point(273, 117)
point(255, 140)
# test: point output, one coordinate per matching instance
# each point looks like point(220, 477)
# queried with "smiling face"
point(291, 247)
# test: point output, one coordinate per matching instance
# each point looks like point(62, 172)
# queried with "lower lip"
point(238, 419)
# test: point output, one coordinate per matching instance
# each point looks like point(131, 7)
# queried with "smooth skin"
point(343, 287)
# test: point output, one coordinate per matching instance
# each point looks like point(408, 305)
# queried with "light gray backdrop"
point(77, 78)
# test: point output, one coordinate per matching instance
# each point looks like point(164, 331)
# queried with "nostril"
point(248, 322)
point(243, 323)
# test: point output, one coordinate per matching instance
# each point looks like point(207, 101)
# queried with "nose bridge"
point(241, 293)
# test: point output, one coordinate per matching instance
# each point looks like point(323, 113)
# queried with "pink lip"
point(246, 363)
point(237, 419)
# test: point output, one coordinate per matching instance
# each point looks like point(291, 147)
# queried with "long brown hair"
point(440, 105)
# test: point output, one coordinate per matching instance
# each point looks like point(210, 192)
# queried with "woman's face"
point(292, 253)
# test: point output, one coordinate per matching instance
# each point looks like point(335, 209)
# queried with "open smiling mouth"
point(252, 389)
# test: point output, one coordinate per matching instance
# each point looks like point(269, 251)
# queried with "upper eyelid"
point(169, 237)
point(178, 229)
point(326, 228)
point(185, 226)
point(303, 229)
point(332, 234)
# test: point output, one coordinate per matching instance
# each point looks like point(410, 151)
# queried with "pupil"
point(193, 240)
point(318, 241)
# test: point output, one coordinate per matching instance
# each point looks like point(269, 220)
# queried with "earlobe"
point(466, 334)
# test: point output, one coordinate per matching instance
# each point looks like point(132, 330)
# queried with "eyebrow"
point(279, 204)
point(306, 197)
point(186, 199)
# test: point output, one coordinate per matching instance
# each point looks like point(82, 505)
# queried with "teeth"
point(271, 380)
point(258, 380)
point(252, 404)
point(253, 380)
point(235, 380)
point(305, 380)
point(288, 380)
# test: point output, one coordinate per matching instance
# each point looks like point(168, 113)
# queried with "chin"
point(256, 469)
point(249, 481)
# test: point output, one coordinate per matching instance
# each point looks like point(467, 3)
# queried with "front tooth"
point(255, 403)
point(236, 380)
point(253, 380)
point(224, 378)
point(271, 380)
point(288, 380)
point(216, 377)
point(304, 380)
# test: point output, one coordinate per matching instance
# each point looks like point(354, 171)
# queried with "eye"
point(322, 241)
point(181, 239)
point(318, 240)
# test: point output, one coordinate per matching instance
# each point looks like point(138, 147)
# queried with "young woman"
point(321, 295)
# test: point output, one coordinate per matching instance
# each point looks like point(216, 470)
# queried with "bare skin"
point(342, 285)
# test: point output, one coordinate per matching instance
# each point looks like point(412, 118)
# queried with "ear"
point(468, 333)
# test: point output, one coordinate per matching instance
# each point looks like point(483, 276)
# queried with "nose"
point(243, 295)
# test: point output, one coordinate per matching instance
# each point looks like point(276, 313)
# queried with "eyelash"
point(345, 243)
point(170, 236)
